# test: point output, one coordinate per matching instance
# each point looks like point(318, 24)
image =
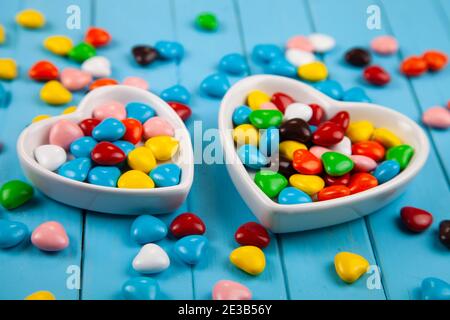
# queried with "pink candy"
point(384, 45)
point(50, 236)
point(73, 79)
point(157, 126)
point(110, 109)
point(301, 43)
point(136, 82)
point(268, 106)
point(363, 163)
point(230, 290)
point(63, 132)
point(437, 117)
point(318, 151)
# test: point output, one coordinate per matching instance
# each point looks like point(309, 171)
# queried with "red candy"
point(306, 163)
point(362, 181)
point(328, 133)
point(333, 192)
point(317, 115)
point(336, 181)
point(371, 149)
point(133, 131)
point(436, 60)
point(281, 101)
point(342, 118)
point(87, 125)
point(97, 37)
point(413, 66)
point(107, 154)
point(183, 111)
point(187, 224)
point(43, 71)
point(252, 234)
point(376, 75)
point(416, 219)
point(101, 83)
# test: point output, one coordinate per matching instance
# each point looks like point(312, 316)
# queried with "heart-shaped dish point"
point(289, 218)
point(106, 199)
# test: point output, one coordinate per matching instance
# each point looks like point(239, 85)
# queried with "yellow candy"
point(30, 18)
point(41, 295)
point(40, 117)
point(307, 183)
point(360, 131)
point(256, 98)
point(59, 45)
point(54, 93)
point(288, 147)
point(350, 266)
point(246, 134)
point(8, 69)
point(250, 259)
point(70, 109)
point(163, 147)
point(314, 71)
point(386, 138)
point(2, 34)
point(135, 179)
point(141, 159)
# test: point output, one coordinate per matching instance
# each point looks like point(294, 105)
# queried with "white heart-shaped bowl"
point(105, 199)
point(289, 218)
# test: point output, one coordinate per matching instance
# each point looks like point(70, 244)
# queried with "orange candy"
point(102, 82)
point(306, 163)
point(362, 181)
point(414, 66)
point(97, 37)
point(371, 149)
point(333, 192)
point(436, 60)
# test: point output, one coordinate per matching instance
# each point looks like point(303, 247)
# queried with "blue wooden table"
point(299, 265)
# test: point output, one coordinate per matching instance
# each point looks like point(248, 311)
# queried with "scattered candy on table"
point(215, 85)
point(144, 55)
point(444, 233)
point(41, 295)
point(136, 82)
point(69, 110)
point(207, 21)
point(151, 259)
point(97, 37)
point(74, 79)
point(350, 266)
point(30, 18)
point(141, 288)
point(50, 236)
point(187, 224)
point(15, 193)
point(252, 234)
point(321, 43)
point(250, 259)
point(54, 93)
point(416, 219)
point(101, 83)
point(40, 117)
point(176, 93)
point(437, 117)
point(233, 64)
point(358, 57)
point(12, 233)
point(384, 45)
point(58, 44)
point(169, 50)
point(81, 52)
point(191, 249)
point(97, 67)
point(2, 34)
point(376, 75)
point(230, 290)
point(8, 69)
point(146, 229)
point(435, 289)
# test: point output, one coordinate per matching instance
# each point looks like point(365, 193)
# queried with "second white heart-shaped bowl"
point(289, 218)
point(105, 199)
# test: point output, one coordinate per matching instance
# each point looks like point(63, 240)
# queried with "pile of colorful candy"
point(99, 147)
point(321, 160)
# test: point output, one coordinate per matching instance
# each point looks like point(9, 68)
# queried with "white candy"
point(344, 147)
point(50, 156)
point(151, 259)
point(299, 57)
point(322, 42)
point(98, 67)
point(298, 110)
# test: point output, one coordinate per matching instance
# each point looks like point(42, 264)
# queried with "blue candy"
point(109, 129)
point(82, 147)
point(176, 93)
point(12, 233)
point(5, 97)
point(386, 170)
point(251, 157)
point(104, 176)
point(265, 53)
point(76, 169)
point(166, 175)
point(312, 128)
point(291, 195)
point(146, 229)
point(241, 114)
point(190, 249)
point(234, 64)
point(125, 146)
point(331, 88)
point(435, 289)
point(269, 141)
point(140, 288)
point(356, 94)
point(281, 67)
point(139, 111)
point(170, 50)
point(215, 85)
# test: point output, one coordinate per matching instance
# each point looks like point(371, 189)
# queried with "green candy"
point(402, 154)
point(207, 21)
point(336, 164)
point(263, 119)
point(82, 52)
point(15, 193)
point(271, 183)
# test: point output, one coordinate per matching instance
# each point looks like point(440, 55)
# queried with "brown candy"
point(358, 57)
point(285, 167)
point(144, 55)
point(295, 129)
point(444, 233)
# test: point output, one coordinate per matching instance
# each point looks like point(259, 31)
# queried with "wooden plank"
point(109, 249)
point(26, 269)
point(308, 256)
point(213, 195)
